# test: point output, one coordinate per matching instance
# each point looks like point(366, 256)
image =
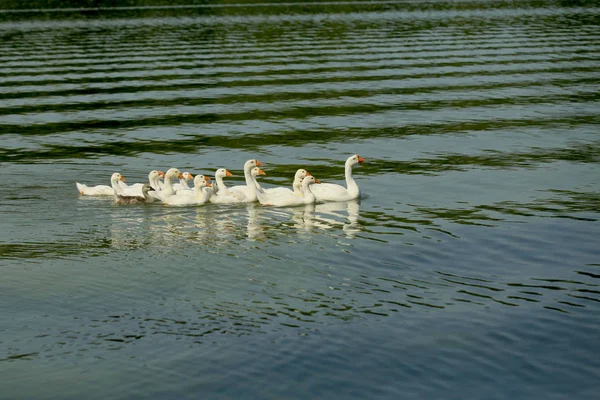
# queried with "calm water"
point(469, 269)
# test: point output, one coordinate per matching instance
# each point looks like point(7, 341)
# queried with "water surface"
point(468, 269)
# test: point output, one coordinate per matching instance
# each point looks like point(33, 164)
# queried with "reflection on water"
point(215, 227)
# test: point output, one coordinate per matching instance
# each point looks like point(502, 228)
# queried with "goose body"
point(101, 190)
point(265, 195)
point(98, 190)
point(290, 199)
point(145, 198)
point(202, 193)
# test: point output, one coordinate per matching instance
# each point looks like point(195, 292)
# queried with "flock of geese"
point(304, 190)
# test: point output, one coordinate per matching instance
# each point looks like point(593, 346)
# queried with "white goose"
point(265, 195)
point(221, 194)
point(335, 192)
point(220, 187)
point(290, 199)
point(115, 180)
point(247, 193)
point(98, 190)
point(154, 178)
point(202, 193)
point(167, 189)
point(235, 197)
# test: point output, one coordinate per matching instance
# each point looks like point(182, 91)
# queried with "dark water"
point(469, 270)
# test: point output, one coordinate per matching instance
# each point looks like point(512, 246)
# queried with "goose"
point(247, 193)
point(290, 199)
point(115, 179)
point(98, 190)
point(167, 189)
point(154, 178)
point(264, 195)
point(145, 198)
point(183, 185)
point(202, 193)
point(335, 192)
point(220, 187)
point(230, 197)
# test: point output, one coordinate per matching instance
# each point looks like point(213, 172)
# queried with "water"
point(468, 270)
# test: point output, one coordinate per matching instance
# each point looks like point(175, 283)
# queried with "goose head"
point(251, 164)
point(222, 172)
point(257, 171)
point(202, 177)
point(300, 175)
point(187, 176)
point(116, 177)
point(355, 159)
point(201, 181)
point(173, 173)
point(154, 174)
point(146, 188)
point(309, 180)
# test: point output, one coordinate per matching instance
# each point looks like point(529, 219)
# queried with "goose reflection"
point(255, 230)
point(217, 227)
point(327, 216)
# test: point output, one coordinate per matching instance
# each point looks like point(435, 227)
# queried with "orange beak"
point(207, 179)
point(261, 172)
point(361, 160)
point(258, 163)
point(161, 174)
point(208, 184)
point(317, 181)
point(227, 173)
point(122, 178)
point(180, 176)
point(191, 176)
point(308, 173)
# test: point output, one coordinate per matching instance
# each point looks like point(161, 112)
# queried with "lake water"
point(469, 269)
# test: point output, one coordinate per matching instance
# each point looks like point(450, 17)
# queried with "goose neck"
point(154, 183)
point(351, 184)
point(248, 175)
point(117, 187)
point(168, 186)
point(220, 186)
point(309, 196)
point(298, 190)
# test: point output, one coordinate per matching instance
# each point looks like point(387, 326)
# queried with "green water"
point(468, 269)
